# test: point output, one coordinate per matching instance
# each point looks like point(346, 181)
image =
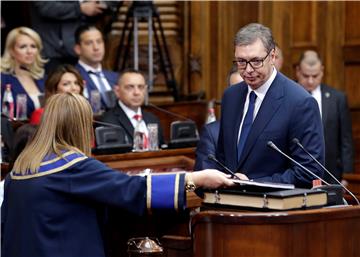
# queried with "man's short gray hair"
point(310, 57)
point(253, 31)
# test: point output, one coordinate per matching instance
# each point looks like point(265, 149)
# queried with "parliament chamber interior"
point(185, 50)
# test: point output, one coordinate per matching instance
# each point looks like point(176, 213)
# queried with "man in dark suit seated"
point(210, 132)
point(267, 106)
point(130, 92)
point(335, 115)
point(90, 49)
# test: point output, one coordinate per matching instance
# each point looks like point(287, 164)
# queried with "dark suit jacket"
point(56, 22)
point(111, 77)
point(337, 131)
point(207, 145)
point(286, 112)
point(117, 116)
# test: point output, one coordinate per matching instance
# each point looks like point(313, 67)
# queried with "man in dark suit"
point(90, 49)
point(56, 22)
point(130, 92)
point(267, 106)
point(335, 115)
point(210, 132)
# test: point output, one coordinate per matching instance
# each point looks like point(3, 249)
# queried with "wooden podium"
point(323, 232)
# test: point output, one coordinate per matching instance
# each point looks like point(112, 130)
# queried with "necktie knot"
point(97, 73)
point(252, 97)
point(137, 117)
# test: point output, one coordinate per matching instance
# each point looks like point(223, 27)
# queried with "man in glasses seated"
point(130, 92)
point(267, 108)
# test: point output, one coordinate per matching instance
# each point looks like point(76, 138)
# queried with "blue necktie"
point(246, 124)
point(102, 89)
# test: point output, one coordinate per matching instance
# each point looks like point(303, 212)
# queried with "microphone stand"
point(297, 142)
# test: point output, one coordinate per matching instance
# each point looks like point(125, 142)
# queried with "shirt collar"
point(317, 90)
point(89, 68)
point(128, 111)
point(261, 91)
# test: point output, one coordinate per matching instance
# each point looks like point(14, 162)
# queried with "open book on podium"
point(265, 196)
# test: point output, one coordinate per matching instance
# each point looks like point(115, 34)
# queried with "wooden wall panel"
point(211, 30)
point(303, 24)
point(352, 31)
point(352, 78)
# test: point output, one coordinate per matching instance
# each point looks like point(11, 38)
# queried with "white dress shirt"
point(260, 95)
point(130, 113)
point(90, 70)
point(316, 93)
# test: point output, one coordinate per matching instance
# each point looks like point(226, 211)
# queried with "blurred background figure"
point(234, 76)
point(65, 78)
point(22, 67)
point(130, 92)
point(57, 22)
point(279, 58)
point(210, 132)
point(90, 49)
point(335, 115)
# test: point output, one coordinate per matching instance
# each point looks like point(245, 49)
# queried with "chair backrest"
point(183, 134)
point(108, 137)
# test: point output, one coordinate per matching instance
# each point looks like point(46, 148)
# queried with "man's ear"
point(297, 71)
point(116, 89)
point(77, 49)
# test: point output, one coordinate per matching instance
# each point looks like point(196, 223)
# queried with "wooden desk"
point(354, 186)
point(158, 161)
point(320, 232)
point(123, 226)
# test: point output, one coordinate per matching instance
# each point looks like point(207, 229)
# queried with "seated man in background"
point(335, 116)
point(130, 92)
point(90, 49)
point(279, 58)
point(210, 132)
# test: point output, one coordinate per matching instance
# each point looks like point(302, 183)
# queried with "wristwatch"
point(190, 185)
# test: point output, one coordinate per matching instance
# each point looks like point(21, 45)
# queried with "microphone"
point(297, 142)
point(179, 116)
point(212, 157)
point(273, 146)
point(107, 124)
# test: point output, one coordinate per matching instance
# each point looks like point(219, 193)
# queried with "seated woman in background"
point(57, 192)
point(64, 78)
point(22, 66)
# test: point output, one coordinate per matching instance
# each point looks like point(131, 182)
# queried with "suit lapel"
point(269, 106)
point(124, 120)
point(325, 102)
point(237, 117)
point(90, 85)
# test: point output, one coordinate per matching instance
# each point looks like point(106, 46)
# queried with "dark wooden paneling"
point(322, 232)
point(352, 22)
point(355, 118)
point(352, 78)
point(303, 31)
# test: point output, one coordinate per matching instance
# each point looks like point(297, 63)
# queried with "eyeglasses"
point(131, 87)
point(254, 63)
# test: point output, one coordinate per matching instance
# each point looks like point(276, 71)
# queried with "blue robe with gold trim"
point(55, 212)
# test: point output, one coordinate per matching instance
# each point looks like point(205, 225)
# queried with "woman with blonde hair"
point(65, 78)
point(55, 192)
point(22, 66)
